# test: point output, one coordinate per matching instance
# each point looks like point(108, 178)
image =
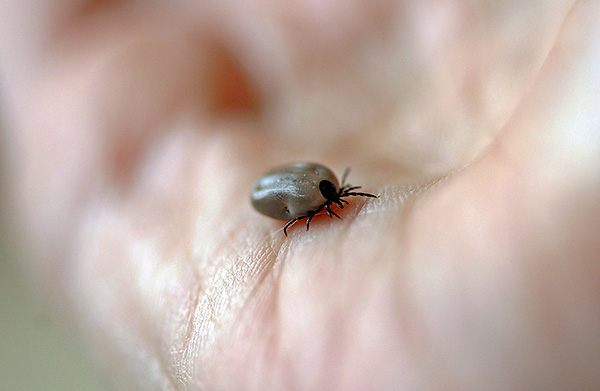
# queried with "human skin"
point(134, 132)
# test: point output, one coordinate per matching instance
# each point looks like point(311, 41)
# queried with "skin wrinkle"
point(435, 348)
point(207, 326)
point(333, 246)
point(330, 373)
point(131, 316)
point(269, 280)
point(156, 315)
point(163, 361)
point(341, 341)
point(169, 353)
point(183, 373)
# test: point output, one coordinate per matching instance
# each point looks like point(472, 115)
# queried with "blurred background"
point(37, 351)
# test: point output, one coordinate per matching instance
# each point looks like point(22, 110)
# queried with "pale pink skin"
point(135, 131)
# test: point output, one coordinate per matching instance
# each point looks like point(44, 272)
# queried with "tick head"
point(329, 191)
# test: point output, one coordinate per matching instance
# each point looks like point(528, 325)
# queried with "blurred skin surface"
point(135, 131)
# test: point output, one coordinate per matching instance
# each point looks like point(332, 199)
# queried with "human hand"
point(136, 130)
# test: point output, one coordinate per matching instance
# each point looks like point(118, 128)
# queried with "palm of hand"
point(453, 278)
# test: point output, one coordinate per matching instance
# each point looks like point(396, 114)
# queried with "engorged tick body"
point(300, 191)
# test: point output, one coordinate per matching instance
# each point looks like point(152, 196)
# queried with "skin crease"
point(134, 132)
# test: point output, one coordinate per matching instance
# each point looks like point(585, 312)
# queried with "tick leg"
point(362, 194)
point(311, 215)
point(308, 221)
point(338, 203)
point(344, 201)
point(345, 191)
point(330, 212)
point(292, 221)
point(346, 188)
point(346, 172)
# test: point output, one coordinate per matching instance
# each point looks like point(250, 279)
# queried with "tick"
point(300, 191)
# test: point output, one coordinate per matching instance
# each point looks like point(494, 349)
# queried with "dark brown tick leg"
point(292, 221)
point(327, 210)
point(330, 212)
point(310, 217)
point(362, 194)
point(346, 172)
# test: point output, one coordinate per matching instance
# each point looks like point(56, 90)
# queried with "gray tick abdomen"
point(291, 191)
